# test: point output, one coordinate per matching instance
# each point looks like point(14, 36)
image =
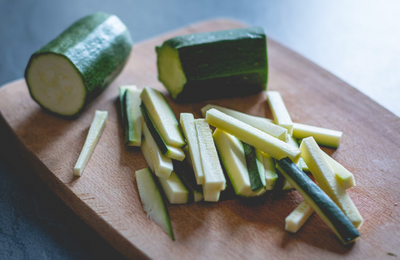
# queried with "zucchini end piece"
point(55, 84)
point(170, 71)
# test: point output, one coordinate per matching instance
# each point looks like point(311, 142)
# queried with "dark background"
point(359, 41)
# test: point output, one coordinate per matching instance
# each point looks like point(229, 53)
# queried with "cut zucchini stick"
point(189, 130)
point(298, 217)
point(254, 167)
point(287, 185)
point(269, 171)
point(95, 130)
point(279, 111)
point(174, 189)
point(167, 150)
point(211, 195)
point(319, 201)
point(301, 164)
point(325, 176)
point(253, 136)
point(233, 113)
point(231, 152)
point(264, 124)
point(162, 164)
point(163, 117)
point(186, 175)
point(214, 178)
point(345, 177)
point(301, 213)
point(152, 200)
point(131, 116)
point(322, 136)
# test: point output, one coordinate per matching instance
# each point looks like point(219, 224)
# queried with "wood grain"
point(107, 199)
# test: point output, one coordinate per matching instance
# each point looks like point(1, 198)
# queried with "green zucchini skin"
point(98, 46)
point(322, 203)
point(153, 130)
point(221, 64)
point(186, 174)
point(252, 167)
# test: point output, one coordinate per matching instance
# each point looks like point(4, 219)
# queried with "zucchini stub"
point(214, 64)
point(74, 68)
point(153, 200)
point(332, 215)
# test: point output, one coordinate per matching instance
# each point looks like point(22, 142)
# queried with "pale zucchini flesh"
point(264, 124)
point(132, 118)
point(214, 178)
point(163, 117)
point(322, 136)
point(167, 150)
point(152, 200)
point(279, 111)
point(233, 160)
point(95, 130)
point(189, 130)
point(345, 177)
point(298, 217)
point(253, 136)
point(269, 171)
point(162, 164)
point(325, 176)
point(174, 190)
point(323, 205)
point(56, 84)
point(211, 195)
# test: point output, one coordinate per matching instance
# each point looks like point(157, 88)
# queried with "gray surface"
point(356, 40)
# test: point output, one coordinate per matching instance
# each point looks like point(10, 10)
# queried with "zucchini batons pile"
point(248, 154)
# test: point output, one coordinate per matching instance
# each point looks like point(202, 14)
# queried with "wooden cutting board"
point(106, 196)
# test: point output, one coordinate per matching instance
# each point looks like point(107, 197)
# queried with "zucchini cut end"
point(55, 84)
point(170, 71)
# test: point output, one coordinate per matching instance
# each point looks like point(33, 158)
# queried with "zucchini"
point(74, 68)
point(214, 64)
point(163, 117)
point(301, 164)
point(325, 176)
point(167, 150)
point(186, 175)
point(162, 164)
point(298, 217)
point(345, 177)
point(322, 136)
point(211, 195)
point(173, 187)
point(153, 201)
point(131, 117)
point(253, 136)
point(214, 178)
point(261, 123)
point(269, 171)
point(319, 201)
point(189, 130)
point(95, 130)
point(254, 167)
point(279, 111)
point(233, 160)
